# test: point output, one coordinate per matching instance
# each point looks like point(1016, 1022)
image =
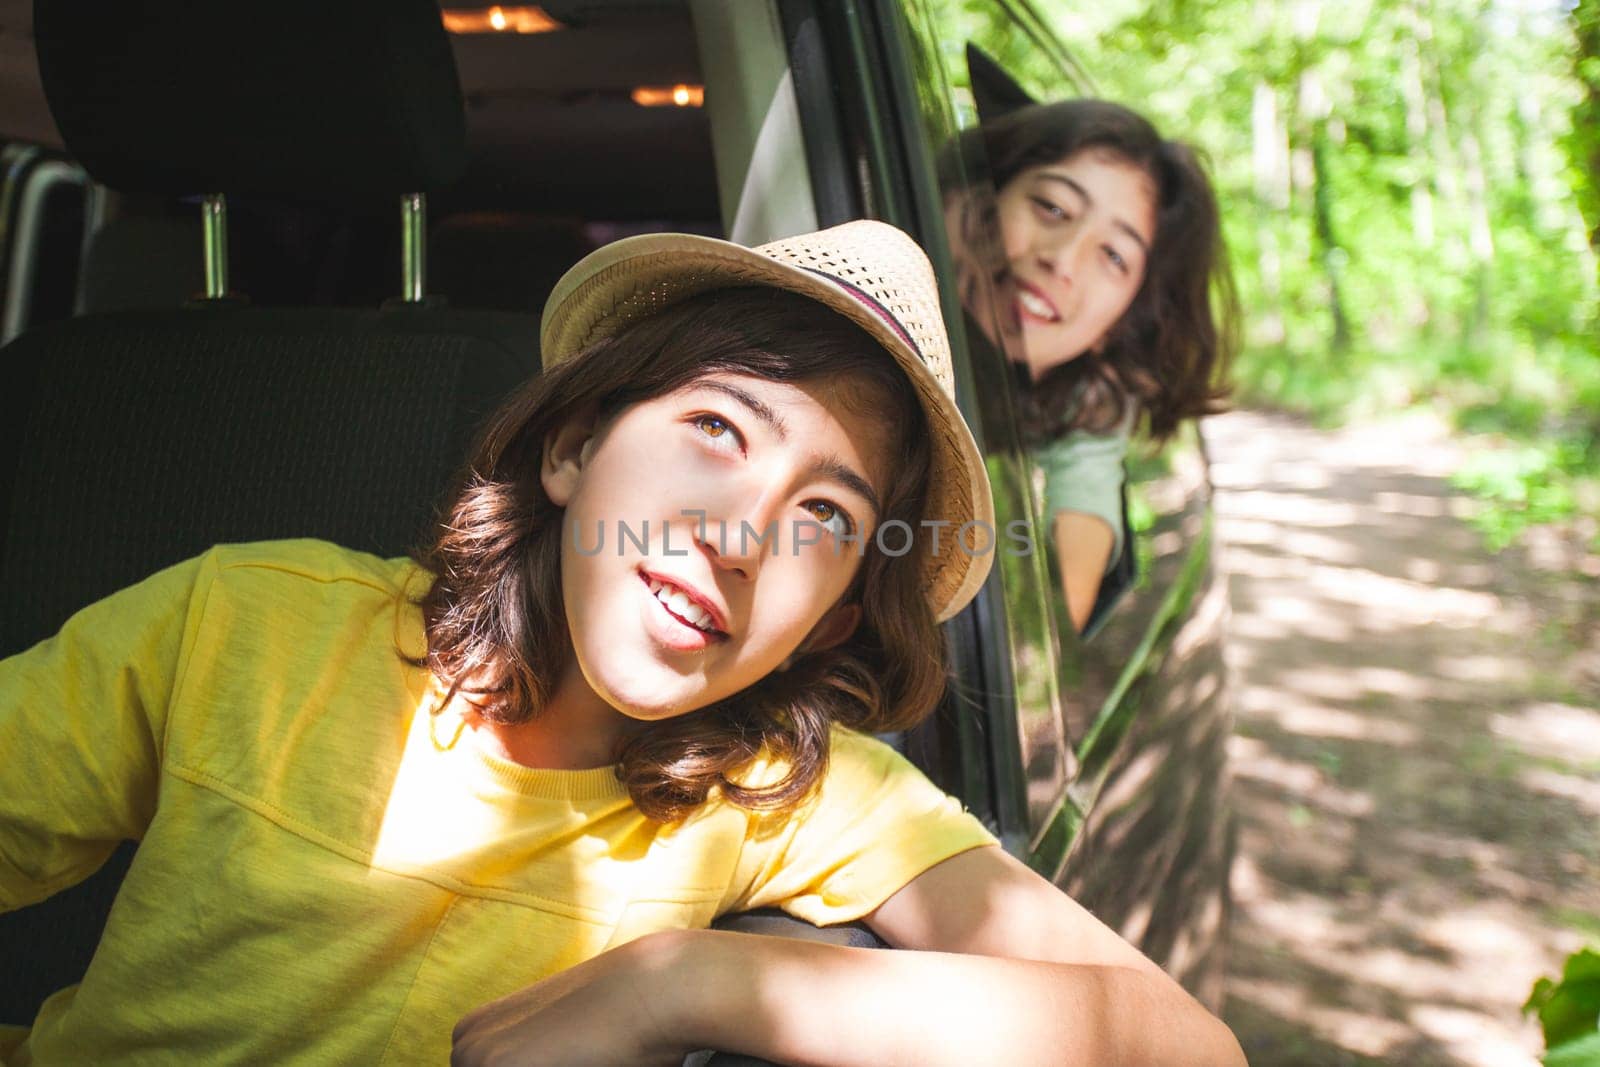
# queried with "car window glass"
point(1038, 675)
point(1152, 499)
point(1171, 531)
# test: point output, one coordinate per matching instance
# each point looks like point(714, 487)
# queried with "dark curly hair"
point(495, 612)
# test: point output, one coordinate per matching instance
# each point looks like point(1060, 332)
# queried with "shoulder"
point(854, 760)
point(281, 592)
point(864, 771)
point(852, 752)
point(874, 823)
point(1080, 446)
point(1083, 472)
point(310, 562)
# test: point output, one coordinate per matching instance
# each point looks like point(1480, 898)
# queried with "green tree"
point(1412, 199)
point(1583, 142)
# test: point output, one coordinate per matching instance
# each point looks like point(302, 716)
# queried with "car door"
point(1100, 761)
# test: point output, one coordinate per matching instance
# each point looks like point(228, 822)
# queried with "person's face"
point(701, 612)
point(1076, 234)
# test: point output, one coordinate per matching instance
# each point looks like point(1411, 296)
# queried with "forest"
point(1412, 200)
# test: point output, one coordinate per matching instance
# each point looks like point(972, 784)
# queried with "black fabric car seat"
point(495, 259)
point(140, 263)
point(138, 438)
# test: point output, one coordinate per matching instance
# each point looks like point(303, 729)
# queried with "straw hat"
point(869, 272)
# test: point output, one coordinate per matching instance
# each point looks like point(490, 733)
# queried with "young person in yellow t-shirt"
point(506, 788)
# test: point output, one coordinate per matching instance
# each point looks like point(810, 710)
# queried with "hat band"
point(872, 304)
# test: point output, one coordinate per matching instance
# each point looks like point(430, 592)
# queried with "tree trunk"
point(1417, 133)
point(1418, 151)
point(1482, 235)
point(1314, 106)
point(1270, 156)
point(1333, 256)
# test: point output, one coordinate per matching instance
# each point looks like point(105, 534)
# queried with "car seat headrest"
point(317, 101)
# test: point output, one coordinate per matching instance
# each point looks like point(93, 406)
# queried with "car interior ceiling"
point(560, 160)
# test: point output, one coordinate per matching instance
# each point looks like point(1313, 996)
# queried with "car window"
point(1174, 594)
point(1156, 495)
point(1075, 691)
point(1039, 676)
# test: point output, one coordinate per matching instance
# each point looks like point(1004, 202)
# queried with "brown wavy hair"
point(1171, 351)
point(495, 613)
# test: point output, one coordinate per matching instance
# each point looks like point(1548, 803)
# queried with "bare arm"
point(1012, 972)
point(1083, 551)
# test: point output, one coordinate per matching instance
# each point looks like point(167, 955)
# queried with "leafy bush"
point(1569, 1012)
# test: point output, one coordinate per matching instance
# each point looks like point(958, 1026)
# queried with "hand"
point(615, 1009)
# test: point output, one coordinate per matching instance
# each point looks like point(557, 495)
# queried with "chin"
point(641, 701)
point(1043, 363)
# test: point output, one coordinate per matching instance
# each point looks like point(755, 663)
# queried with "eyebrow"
point(771, 419)
point(830, 467)
point(839, 472)
point(1144, 246)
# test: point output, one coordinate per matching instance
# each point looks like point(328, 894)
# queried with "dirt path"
point(1418, 753)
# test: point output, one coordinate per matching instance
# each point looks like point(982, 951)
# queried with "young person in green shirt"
point(1101, 269)
point(485, 804)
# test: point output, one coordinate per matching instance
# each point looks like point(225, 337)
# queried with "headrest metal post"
point(214, 231)
point(413, 246)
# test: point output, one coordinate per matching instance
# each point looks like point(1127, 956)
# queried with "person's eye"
point(830, 517)
point(1051, 209)
point(1116, 259)
point(719, 430)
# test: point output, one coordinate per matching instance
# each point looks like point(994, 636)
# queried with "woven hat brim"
point(638, 276)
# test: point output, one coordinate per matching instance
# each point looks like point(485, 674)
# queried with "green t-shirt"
point(1083, 472)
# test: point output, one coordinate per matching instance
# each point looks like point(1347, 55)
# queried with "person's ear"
point(566, 452)
point(833, 629)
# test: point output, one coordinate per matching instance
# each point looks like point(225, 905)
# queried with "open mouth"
point(1036, 306)
point(681, 607)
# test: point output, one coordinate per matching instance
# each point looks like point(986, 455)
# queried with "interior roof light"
point(670, 96)
point(508, 18)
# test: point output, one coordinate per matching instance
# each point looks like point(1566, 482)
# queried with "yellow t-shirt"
point(327, 874)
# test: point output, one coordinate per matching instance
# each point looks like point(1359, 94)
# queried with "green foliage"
point(1523, 486)
point(1535, 417)
point(1409, 189)
point(1584, 1052)
point(1569, 1012)
point(1583, 142)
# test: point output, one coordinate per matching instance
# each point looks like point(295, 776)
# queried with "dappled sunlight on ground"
point(1417, 766)
point(1556, 731)
point(1583, 791)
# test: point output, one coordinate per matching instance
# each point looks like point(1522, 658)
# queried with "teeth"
point(1034, 304)
point(680, 605)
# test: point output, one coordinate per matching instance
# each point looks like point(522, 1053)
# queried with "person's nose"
point(1061, 252)
point(740, 528)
